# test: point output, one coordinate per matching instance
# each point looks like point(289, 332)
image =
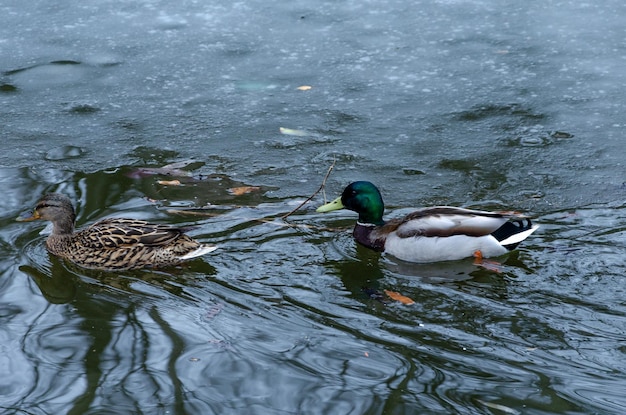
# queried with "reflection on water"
point(57, 288)
point(176, 112)
point(298, 307)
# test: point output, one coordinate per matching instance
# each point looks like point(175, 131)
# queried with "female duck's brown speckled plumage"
point(113, 244)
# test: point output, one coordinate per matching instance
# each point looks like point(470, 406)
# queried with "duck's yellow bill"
point(330, 206)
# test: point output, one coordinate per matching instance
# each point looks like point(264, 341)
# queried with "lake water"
point(486, 104)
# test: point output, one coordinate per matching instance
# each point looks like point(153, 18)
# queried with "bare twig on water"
point(191, 212)
point(269, 221)
point(322, 186)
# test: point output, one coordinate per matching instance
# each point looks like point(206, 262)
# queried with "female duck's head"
point(56, 208)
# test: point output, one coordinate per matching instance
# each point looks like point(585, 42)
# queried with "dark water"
point(490, 104)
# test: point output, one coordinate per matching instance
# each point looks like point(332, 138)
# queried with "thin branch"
point(270, 221)
point(322, 186)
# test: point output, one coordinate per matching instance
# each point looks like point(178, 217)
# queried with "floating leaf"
point(304, 87)
point(413, 172)
point(172, 169)
point(169, 182)
point(499, 407)
point(561, 134)
point(242, 190)
point(289, 131)
point(399, 297)
point(152, 171)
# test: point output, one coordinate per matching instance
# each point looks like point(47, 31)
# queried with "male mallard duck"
point(113, 244)
point(430, 234)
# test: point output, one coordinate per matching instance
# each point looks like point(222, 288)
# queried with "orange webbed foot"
point(484, 263)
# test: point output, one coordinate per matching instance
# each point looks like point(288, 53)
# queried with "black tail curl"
point(511, 228)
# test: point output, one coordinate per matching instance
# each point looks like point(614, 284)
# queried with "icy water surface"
point(486, 104)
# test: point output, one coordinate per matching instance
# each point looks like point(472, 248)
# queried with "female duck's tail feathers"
point(512, 233)
point(204, 249)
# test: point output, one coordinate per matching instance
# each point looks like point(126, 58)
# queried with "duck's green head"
point(361, 197)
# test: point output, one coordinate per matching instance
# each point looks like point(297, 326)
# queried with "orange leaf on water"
point(242, 190)
point(399, 297)
point(169, 182)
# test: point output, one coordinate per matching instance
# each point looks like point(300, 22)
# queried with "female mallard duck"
point(430, 234)
point(113, 244)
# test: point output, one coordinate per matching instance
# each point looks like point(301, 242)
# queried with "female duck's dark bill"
point(330, 206)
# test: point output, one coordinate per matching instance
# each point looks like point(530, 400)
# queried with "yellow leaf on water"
point(304, 87)
point(242, 190)
point(290, 131)
point(169, 182)
point(399, 297)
